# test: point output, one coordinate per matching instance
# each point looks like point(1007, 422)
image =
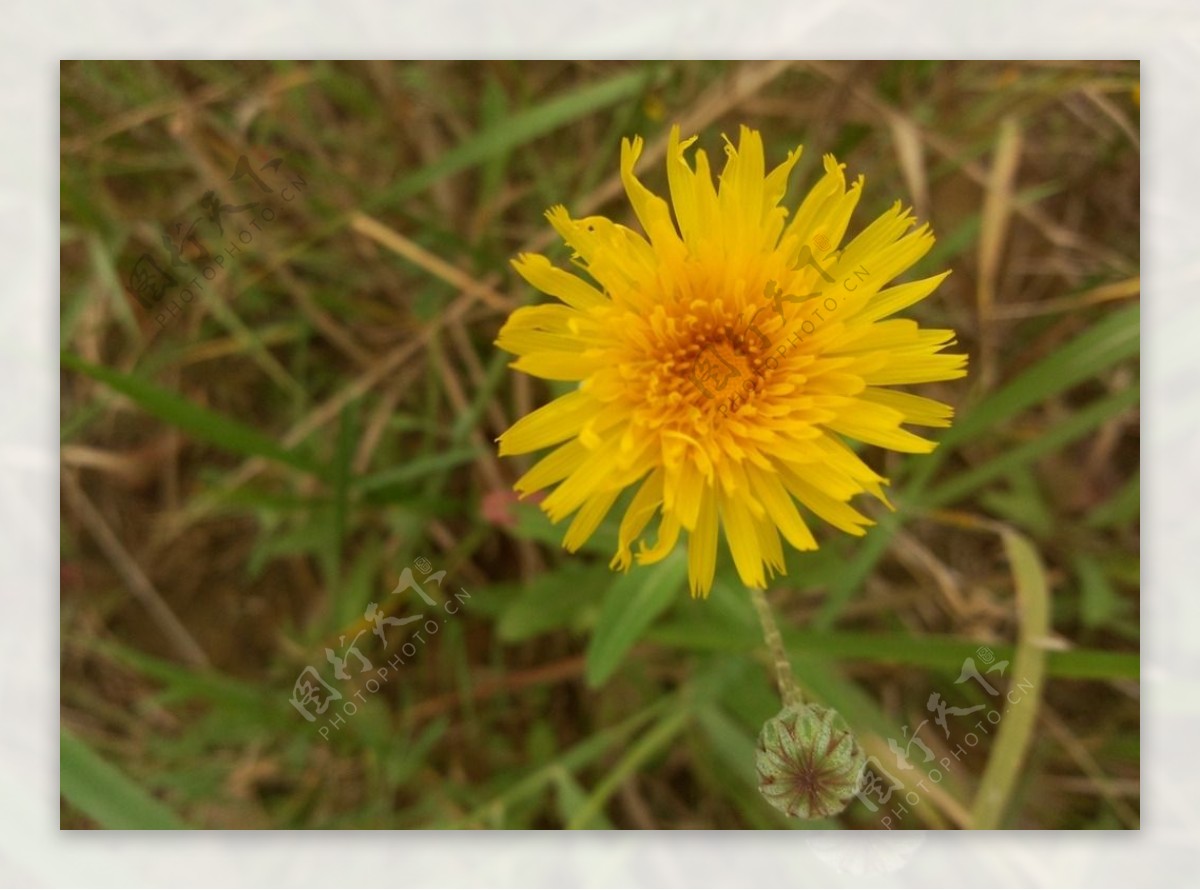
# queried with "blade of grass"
point(572, 798)
point(200, 423)
point(140, 586)
point(238, 699)
point(1073, 427)
point(105, 794)
point(936, 653)
point(631, 605)
point(414, 470)
point(1028, 672)
point(512, 132)
point(517, 129)
point(341, 496)
point(574, 759)
point(841, 588)
point(1122, 507)
point(1028, 668)
point(996, 216)
point(1111, 340)
point(646, 747)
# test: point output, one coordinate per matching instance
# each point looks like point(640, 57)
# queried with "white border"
point(32, 850)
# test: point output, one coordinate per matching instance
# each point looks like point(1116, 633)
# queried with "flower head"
point(722, 361)
point(809, 763)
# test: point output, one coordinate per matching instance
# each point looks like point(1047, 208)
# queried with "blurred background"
point(281, 283)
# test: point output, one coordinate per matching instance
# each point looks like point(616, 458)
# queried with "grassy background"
point(240, 482)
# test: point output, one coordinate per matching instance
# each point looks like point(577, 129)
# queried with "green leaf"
point(1125, 506)
point(414, 470)
point(629, 608)
point(302, 537)
point(515, 130)
point(104, 793)
point(1099, 602)
point(359, 586)
point(332, 553)
point(1112, 339)
point(572, 799)
point(535, 525)
point(649, 745)
point(493, 110)
point(1022, 503)
point(237, 700)
point(933, 652)
point(200, 423)
point(1028, 672)
point(733, 744)
point(591, 748)
point(1055, 437)
point(553, 600)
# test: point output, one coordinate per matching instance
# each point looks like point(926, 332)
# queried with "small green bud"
point(809, 763)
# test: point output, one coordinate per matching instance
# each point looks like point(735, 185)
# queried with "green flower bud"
point(809, 763)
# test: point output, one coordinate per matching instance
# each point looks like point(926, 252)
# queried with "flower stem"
point(789, 691)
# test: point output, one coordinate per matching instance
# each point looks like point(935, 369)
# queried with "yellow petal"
point(549, 279)
point(916, 409)
point(743, 541)
point(652, 211)
point(560, 365)
point(879, 425)
point(782, 510)
point(917, 368)
point(668, 534)
point(681, 181)
point(549, 425)
point(640, 511)
point(614, 255)
point(702, 546)
point(890, 301)
point(554, 467)
point(593, 511)
point(837, 513)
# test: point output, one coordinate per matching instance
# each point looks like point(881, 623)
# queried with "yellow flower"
point(722, 360)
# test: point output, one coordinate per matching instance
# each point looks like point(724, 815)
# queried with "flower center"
point(701, 362)
point(729, 366)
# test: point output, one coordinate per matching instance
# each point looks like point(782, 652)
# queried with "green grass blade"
point(857, 569)
point(341, 496)
point(200, 423)
point(104, 793)
point(1124, 506)
point(629, 608)
point(1028, 671)
point(1111, 340)
point(414, 470)
point(935, 653)
point(591, 748)
point(650, 744)
point(1052, 439)
point(515, 130)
